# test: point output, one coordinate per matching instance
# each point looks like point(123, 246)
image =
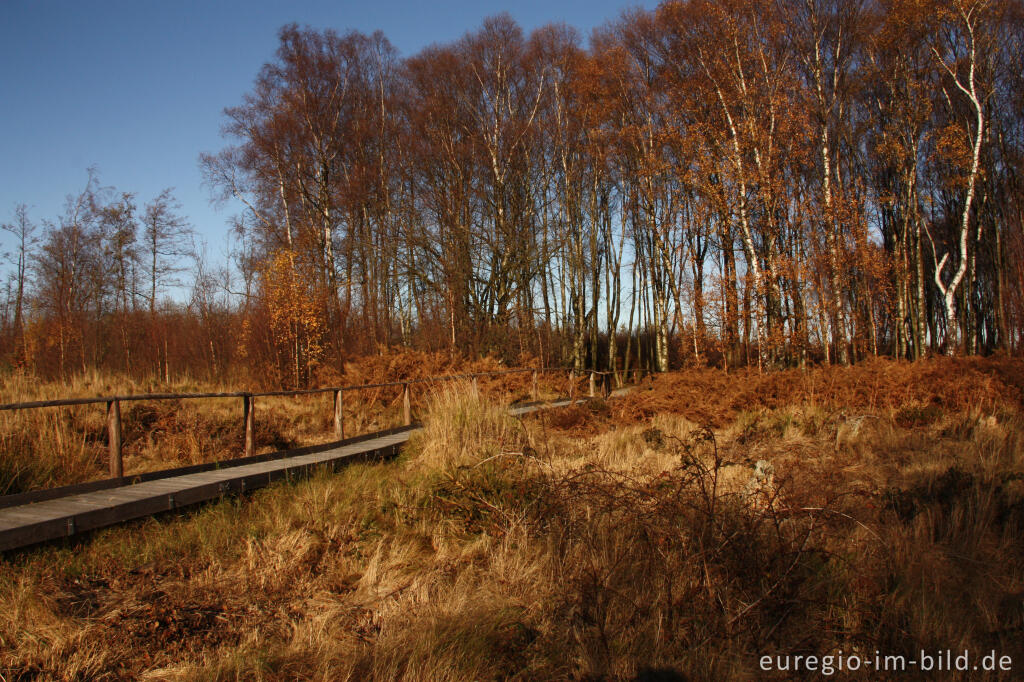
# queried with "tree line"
point(762, 182)
point(88, 289)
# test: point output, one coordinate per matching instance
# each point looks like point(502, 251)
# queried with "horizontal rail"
point(141, 396)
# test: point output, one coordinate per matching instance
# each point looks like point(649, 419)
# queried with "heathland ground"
point(679, 532)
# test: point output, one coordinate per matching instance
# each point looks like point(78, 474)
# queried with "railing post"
point(572, 384)
point(114, 438)
point(593, 380)
point(534, 392)
point(406, 404)
point(339, 422)
point(476, 386)
point(249, 417)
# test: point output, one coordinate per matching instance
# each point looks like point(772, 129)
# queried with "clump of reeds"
point(463, 428)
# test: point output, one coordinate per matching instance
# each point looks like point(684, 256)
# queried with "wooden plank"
point(124, 495)
point(75, 504)
point(15, 518)
point(31, 534)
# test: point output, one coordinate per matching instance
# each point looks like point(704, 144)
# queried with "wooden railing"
point(113, 403)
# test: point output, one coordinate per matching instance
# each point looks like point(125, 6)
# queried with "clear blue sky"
point(137, 87)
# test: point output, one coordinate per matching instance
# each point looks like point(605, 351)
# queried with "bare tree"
point(23, 230)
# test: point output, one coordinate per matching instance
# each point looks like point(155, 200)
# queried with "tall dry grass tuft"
point(463, 428)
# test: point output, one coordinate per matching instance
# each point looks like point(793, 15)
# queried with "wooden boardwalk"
point(77, 509)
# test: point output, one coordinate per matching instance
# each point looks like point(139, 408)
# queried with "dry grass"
point(461, 428)
point(562, 547)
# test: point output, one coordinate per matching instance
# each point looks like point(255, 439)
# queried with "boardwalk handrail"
point(113, 403)
point(63, 402)
point(67, 402)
